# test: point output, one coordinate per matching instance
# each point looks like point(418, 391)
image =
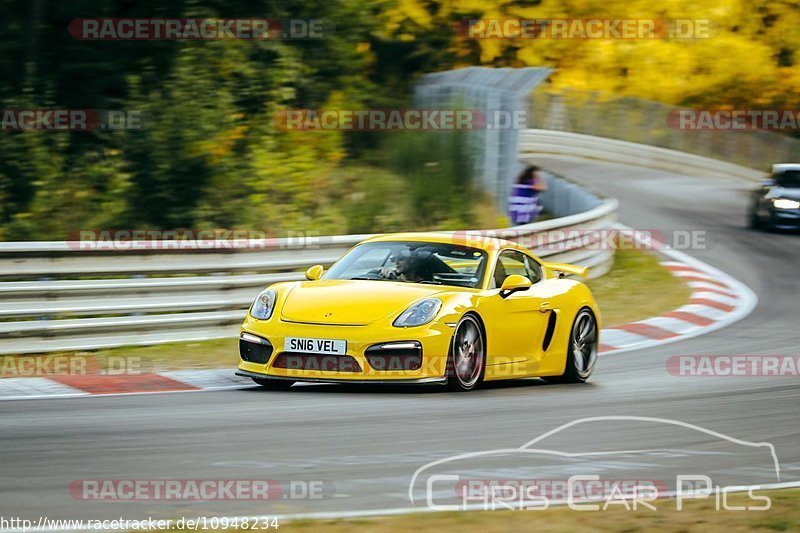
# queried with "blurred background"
point(208, 154)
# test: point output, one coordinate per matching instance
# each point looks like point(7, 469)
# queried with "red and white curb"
point(717, 300)
point(713, 304)
point(76, 386)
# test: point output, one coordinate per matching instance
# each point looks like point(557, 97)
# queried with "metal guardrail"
point(50, 301)
point(493, 92)
point(540, 145)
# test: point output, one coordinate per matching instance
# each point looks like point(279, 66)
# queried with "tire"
point(581, 351)
point(754, 221)
point(274, 384)
point(466, 363)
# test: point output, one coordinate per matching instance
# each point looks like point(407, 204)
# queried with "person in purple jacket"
point(523, 202)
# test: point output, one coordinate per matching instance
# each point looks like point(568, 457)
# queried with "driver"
point(408, 266)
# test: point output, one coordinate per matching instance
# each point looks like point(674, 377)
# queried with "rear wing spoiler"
point(565, 269)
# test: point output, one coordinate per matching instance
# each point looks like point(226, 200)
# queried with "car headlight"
point(783, 203)
point(418, 314)
point(264, 305)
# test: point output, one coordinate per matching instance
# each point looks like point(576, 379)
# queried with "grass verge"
point(637, 287)
point(697, 516)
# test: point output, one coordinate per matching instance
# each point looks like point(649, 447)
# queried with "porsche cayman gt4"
point(424, 308)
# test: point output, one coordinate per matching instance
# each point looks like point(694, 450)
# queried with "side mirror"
point(514, 283)
point(315, 272)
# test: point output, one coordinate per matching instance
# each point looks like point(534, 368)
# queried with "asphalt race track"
point(367, 442)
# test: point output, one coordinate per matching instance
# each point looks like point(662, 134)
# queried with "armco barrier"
point(58, 296)
point(539, 145)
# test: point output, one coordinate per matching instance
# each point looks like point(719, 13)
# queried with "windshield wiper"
point(366, 278)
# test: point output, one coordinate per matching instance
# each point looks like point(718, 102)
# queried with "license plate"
point(320, 346)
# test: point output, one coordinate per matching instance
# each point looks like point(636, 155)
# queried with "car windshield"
point(412, 262)
point(789, 179)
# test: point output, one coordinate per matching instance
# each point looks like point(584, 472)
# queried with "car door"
point(515, 324)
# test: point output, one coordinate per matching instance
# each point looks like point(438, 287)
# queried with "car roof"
point(482, 240)
point(783, 167)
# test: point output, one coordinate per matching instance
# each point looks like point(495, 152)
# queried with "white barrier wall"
point(540, 145)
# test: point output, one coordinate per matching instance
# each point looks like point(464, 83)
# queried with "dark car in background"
point(776, 204)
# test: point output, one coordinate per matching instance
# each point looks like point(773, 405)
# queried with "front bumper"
point(433, 338)
point(784, 218)
point(419, 381)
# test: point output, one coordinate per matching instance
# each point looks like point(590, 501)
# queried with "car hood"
point(350, 302)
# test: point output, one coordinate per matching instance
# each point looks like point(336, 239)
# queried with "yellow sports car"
point(424, 308)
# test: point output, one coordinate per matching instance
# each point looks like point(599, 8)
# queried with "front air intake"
point(254, 349)
point(395, 356)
